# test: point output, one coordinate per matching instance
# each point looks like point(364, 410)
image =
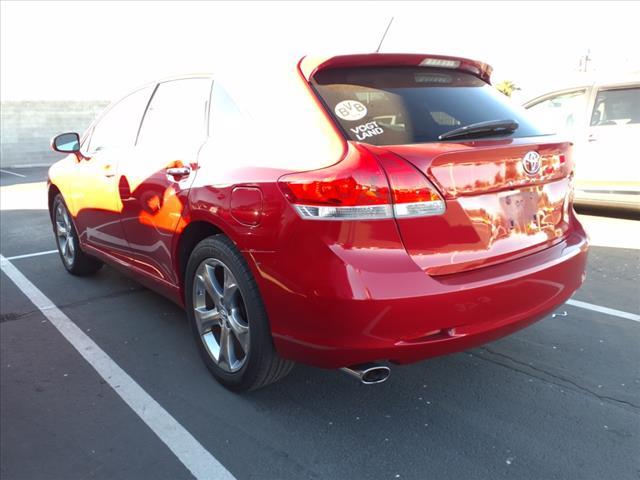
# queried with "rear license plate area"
point(520, 209)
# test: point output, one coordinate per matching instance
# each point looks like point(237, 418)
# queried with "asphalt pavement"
point(558, 400)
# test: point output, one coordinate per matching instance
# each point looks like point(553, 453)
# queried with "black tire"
point(262, 365)
point(79, 263)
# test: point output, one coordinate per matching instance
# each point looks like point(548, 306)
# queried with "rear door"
point(498, 206)
point(154, 183)
point(610, 161)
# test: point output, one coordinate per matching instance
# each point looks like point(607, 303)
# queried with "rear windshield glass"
point(403, 105)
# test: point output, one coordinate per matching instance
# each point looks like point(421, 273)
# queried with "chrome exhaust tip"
point(368, 373)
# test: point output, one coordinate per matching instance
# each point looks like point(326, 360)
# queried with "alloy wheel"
point(221, 315)
point(64, 232)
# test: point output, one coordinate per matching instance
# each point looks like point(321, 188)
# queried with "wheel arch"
point(53, 190)
point(193, 233)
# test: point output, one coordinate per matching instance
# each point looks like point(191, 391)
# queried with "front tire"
point(73, 258)
point(228, 319)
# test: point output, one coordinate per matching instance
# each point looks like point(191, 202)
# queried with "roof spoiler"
point(309, 66)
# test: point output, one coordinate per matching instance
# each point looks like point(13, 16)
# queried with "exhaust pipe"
point(368, 373)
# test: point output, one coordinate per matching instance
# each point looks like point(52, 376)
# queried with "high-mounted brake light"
point(358, 189)
point(440, 63)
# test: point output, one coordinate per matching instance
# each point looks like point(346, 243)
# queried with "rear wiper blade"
point(492, 126)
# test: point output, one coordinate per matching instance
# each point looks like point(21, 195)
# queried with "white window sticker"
point(367, 130)
point(350, 110)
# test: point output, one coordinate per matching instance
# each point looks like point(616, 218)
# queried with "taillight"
point(357, 188)
point(412, 194)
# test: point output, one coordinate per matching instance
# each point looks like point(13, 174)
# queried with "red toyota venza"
point(348, 212)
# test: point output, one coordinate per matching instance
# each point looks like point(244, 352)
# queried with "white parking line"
point(183, 445)
point(12, 173)
point(605, 310)
point(29, 255)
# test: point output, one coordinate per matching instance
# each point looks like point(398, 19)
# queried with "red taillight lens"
point(357, 188)
point(354, 188)
point(360, 186)
point(413, 195)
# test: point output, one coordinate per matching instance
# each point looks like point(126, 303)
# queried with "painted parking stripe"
point(13, 173)
point(605, 310)
point(183, 445)
point(29, 255)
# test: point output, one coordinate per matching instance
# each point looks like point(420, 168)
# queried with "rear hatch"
point(506, 192)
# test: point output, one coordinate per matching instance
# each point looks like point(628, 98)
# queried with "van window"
point(403, 105)
point(616, 107)
point(561, 112)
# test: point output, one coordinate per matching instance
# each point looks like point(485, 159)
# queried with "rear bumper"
point(403, 315)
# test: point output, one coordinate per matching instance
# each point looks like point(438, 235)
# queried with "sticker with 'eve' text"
point(350, 110)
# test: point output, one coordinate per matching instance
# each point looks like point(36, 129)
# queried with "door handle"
point(592, 138)
point(178, 171)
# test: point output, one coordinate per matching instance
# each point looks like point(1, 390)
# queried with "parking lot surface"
point(558, 400)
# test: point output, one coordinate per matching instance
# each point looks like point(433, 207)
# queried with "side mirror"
point(66, 143)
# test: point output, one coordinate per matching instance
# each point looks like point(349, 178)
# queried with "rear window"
point(404, 105)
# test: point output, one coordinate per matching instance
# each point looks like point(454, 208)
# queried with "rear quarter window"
point(404, 105)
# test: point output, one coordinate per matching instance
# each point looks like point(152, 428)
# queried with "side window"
point(118, 127)
point(616, 107)
point(560, 112)
point(225, 119)
point(176, 117)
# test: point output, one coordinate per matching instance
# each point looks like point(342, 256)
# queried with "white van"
point(603, 120)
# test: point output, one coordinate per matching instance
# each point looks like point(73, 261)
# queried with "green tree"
point(507, 87)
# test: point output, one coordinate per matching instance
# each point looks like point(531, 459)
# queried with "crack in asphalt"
point(13, 316)
point(605, 398)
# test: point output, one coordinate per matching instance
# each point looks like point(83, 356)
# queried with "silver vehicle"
point(603, 120)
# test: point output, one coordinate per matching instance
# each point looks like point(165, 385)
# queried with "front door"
point(155, 182)
point(95, 199)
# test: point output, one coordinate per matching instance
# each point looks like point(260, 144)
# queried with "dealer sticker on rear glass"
point(350, 110)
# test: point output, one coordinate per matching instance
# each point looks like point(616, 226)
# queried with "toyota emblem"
point(531, 162)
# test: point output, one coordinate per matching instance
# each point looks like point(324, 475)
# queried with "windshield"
point(404, 105)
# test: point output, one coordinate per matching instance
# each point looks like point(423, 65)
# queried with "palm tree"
point(507, 87)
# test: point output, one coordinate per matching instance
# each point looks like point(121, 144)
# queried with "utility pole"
point(584, 61)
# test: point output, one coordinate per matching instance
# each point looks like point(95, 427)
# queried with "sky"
point(99, 50)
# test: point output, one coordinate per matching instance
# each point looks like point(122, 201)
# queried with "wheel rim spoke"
point(227, 354)
point(207, 319)
point(61, 229)
point(240, 330)
point(230, 289)
point(212, 286)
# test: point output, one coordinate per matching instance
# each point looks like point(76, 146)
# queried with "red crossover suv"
point(336, 211)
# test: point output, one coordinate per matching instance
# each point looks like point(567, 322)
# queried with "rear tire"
point(73, 258)
point(228, 319)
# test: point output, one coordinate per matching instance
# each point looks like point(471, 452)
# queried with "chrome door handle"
point(592, 138)
point(178, 171)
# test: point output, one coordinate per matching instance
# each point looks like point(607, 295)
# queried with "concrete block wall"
point(26, 127)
